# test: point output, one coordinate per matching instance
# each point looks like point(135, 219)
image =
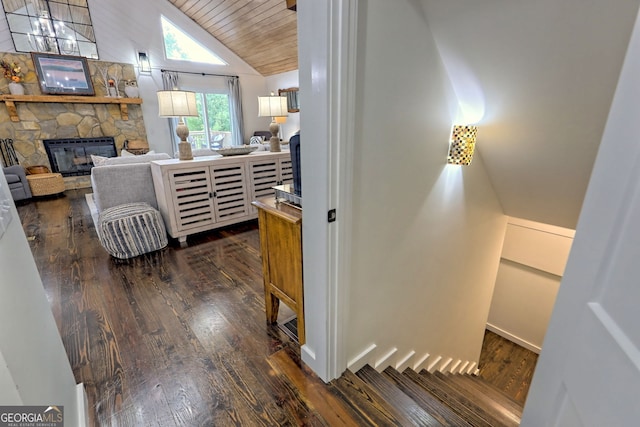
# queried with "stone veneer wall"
point(40, 121)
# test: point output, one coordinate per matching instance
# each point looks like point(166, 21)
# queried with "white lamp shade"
point(272, 106)
point(177, 103)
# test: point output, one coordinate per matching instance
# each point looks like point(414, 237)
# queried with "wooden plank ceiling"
point(263, 33)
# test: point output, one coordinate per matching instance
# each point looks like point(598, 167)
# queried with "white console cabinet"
point(210, 192)
point(267, 173)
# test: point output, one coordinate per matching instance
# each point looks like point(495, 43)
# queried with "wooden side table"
point(45, 184)
point(281, 246)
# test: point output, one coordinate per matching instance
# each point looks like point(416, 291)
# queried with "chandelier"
point(51, 36)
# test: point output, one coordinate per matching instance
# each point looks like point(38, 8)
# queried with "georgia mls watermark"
point(31, 416)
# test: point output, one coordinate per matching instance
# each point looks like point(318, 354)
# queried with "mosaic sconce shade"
point(462, 144)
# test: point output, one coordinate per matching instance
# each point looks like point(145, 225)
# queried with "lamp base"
point(184, 151)
point(274, 142)
point(184, 147)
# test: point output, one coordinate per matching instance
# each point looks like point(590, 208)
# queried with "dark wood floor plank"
point(489, 394)
point(179, 337)
point(488, 406)
point(441, 412)
point(368, 403)
point(394, 396)
point(507, 366)
point(310, 388)
point(459, 403)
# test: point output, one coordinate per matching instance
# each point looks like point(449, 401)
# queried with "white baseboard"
point(521, 342)
point(83, 406)
point(362, 359)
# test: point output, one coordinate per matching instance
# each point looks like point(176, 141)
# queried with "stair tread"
point(388, 390)
point(367, 403)
point(490, 391)
point(460, 403)
point(491, 402)
point(439, 410)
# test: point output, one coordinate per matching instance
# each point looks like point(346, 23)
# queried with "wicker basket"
point(44, 184)
point(33, 170)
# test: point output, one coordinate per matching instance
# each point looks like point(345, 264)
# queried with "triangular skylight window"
point(180, 46)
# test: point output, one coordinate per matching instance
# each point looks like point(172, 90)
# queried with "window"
point(179, 46)
point(212, 128)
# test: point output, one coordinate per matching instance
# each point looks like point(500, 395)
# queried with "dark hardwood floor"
point(179, 337)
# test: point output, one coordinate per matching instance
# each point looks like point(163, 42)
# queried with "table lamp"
point(179, 103)
point(273, 106)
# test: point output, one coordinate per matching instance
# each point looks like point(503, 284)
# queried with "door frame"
point(327, 35)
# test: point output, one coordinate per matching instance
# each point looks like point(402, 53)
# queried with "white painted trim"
point(342, 186)
point(383, 362)
point(405, 362)
point(420, 364)
point(513, 338)
point(327, 34)
point(445, 364)
point(82, 403)
point(361, 359)
point(432, 365)
point(546, 228)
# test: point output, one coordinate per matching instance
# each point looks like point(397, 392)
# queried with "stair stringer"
point(380, 359)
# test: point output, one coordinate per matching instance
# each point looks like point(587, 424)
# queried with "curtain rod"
point(200, 74)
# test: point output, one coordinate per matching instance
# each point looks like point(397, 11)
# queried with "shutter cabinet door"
point(193, 205)
point(286, 170)
point(230, 191)
point(264, 175)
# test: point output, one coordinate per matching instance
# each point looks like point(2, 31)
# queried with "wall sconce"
point(462, 144)
point(143, 63)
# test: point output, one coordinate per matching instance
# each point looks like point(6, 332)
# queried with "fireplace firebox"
point(72, 156)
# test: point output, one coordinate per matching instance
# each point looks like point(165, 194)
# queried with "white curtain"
point(235, 105)
point(169, 82)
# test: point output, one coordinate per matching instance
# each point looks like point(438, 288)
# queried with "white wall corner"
point(364, 358)
point(83, 406)
point(383, 362)
point(405, 362)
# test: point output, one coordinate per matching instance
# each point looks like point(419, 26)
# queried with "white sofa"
point(119, 180)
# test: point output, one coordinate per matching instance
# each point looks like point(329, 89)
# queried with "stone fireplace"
point(65, 120)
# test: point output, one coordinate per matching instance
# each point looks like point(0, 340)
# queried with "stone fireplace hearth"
point(39, 121)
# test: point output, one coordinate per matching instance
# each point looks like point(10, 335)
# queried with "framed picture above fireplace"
point(63, 74)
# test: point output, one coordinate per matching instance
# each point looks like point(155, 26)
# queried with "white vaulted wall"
point(426, 236)
point(542, 74)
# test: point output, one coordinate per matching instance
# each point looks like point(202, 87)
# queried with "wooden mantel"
point(10, 101)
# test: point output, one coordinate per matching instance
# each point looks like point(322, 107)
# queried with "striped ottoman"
point(132, 229)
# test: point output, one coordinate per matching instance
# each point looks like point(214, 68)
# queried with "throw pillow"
point(98, 160)
point(125, 153)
